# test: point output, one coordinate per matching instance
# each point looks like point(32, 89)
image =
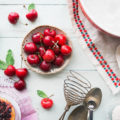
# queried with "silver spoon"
point(92, 101)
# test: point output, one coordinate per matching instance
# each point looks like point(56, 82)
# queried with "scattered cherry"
point(10, 71)
point(48, 32)
point(48, 41)
point(13, 17)
point(30, 47)
point(66, 50)
point(49, 55)
point(21, 72)
point(61, 39)
point(41, 50)
point(59, 61)
point(20, 85)
point(32, 15)
point(45, 66)
point(47, 103)
point(37, 37)
point(33, 59)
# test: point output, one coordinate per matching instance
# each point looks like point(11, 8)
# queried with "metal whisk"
point(76, 87)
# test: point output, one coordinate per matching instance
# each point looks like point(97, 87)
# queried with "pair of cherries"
point(47, 49)
point(14, 16)
point(21, 73)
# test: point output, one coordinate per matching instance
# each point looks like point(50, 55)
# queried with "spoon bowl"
point(80, 113)
point(92, 101)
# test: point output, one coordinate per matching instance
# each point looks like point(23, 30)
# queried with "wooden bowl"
point(28, 38)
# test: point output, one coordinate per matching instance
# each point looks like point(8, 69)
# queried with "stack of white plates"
point(104, 14)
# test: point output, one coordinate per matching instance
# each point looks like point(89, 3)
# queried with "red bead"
point(107, 65)
point(93, 53)
point(97, 57)
point(114, 74)
point(80, 30)
point(78, 25)
point(110, 70)
point(103, 66)
point(80, 21)
point(115, 84)
point(95, 48)
point(105, 62)
point(90, 40)
point(100, 62)
point(88, 44)
point(101, 57)
point(109, 74)
point(98, 53)
point(90, 48)
point(106, 70)
point(112, 79)
point(87, 35)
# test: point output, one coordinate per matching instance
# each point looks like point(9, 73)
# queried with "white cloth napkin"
point(100, 47)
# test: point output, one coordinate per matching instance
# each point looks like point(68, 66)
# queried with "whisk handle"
point(63, 115)
point(90, 115)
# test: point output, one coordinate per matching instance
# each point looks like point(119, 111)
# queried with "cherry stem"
point(24, 6)
point(51, 96)
point(12, 79)
point(26, 24)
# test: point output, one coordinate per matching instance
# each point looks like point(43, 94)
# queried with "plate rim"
point(94, 23)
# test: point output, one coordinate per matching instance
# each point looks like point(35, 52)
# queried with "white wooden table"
point(51, 12)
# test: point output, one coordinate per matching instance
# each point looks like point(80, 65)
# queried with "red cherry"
point(37, 37)
point(41, 51)
point(56, 49)
point(32, 15)
point(21, 72)
point(20, 85)
point(49, 55)
point(66, 50)
point(48, 41)
point(61, 39)
point(33, 59)
point(10, 71)
point(47, 103)
point(13, 17)
point(30, 47)
point(45, 66)
point(48, 32)
point(59, 61)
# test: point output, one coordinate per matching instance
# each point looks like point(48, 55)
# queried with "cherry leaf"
point(41, 94)
point(31, 6)
point(3, 65)
point(9, 58)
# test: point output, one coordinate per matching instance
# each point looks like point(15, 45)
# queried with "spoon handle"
point(90, 115)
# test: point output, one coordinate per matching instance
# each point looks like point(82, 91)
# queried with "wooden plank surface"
point(43, 2)
point(54, 17)
point(51, 12)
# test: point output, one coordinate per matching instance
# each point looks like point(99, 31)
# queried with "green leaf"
point(3, 65)
point(9, 58)
point(41, 94)
point(31, 6)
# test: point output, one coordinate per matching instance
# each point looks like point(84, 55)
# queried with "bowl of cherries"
point(46, 50)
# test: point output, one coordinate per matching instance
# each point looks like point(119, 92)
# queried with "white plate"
point(15, 105)
point(104, 14)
